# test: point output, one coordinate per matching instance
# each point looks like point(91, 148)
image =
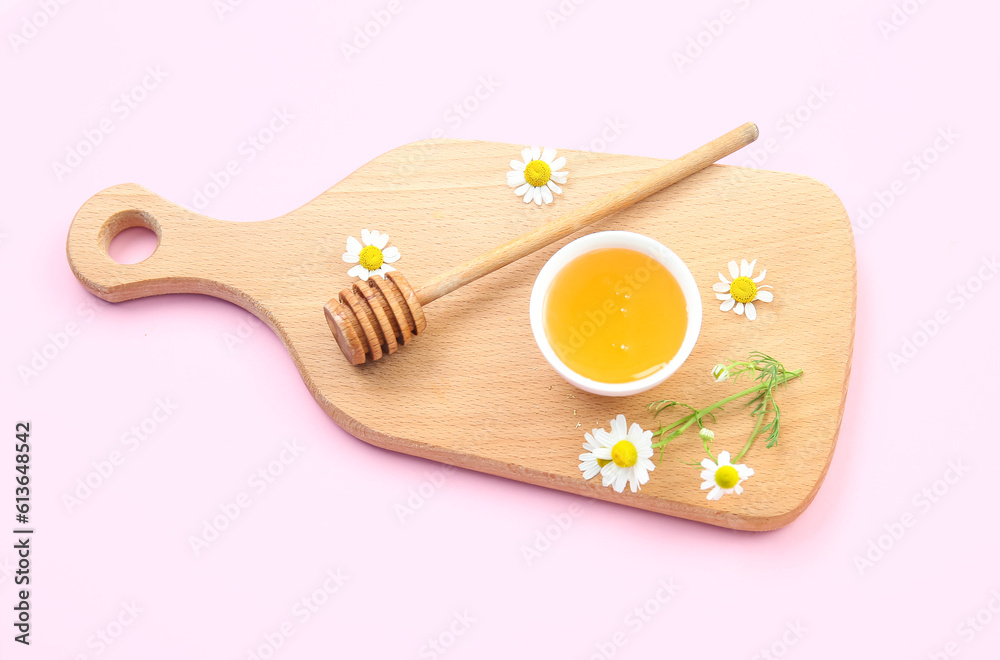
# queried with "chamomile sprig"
point(766, 374)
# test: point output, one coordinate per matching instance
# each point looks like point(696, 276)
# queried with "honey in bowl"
point(615, 315)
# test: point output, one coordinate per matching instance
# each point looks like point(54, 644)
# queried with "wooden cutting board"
point(473, 390)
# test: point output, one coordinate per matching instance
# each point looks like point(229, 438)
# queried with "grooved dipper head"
point(375, 317)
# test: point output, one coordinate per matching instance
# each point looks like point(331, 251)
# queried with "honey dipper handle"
point(565, 225)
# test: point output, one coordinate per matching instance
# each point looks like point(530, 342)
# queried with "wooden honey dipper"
point(377, 316)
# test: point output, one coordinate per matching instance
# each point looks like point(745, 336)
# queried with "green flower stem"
point(756, 430)
point(704, 444)
point(689, 419)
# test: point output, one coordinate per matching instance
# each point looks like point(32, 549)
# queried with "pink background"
point(455, 571)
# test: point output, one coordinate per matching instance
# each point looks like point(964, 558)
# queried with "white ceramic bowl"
point(615, 239)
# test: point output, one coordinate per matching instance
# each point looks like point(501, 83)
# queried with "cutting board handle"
point(187, 254)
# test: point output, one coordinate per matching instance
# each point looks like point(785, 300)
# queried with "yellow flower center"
point(727, 476)
point(371, 257)
point(603, 461)
point(537, 173)
point(624, 454)
point(743, 289)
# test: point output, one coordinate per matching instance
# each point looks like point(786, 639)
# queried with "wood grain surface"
point(473, 390)
point(369, 320)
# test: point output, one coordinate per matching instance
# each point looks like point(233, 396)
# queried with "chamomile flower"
point(722, 477)
point(590, 465)
point(720, 373)
point(740, 294)
point(622, 456)
point(535, 177)
point(373, 257)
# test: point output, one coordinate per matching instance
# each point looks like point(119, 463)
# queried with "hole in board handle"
point(130, 237)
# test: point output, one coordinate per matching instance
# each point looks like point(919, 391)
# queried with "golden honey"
point(615, 315)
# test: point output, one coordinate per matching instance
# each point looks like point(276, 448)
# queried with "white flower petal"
point(536, 194)
point(761, 276)
point(708, 465)
point(365, 274)
point(608, 474)
point(591, 470)
point(603, 437)
point(516, 180)
point(366, 236)
point(559, 177)
point(722, 296)
point(751, 311)
point(635, 434)
point(708, 483)
point(351, 257)
point(721, 287)
point(385, 269)
point(641, 475)
point(734, 270)
point(391, 254)
point(603, 453)
point(546, 194)
point(548, 155)
point(728, 305)
point(724, 458)
point(738, 489)
point(552, 185)
point(716, 494)
point(558, 163)
point(536, 153)
point(353, 245)
point(357, 271)
point(739, 308)
point(620, 480)
point(529, 194)
point(381, 240)
point(517, 166)
point(724, 280)
point(766, 296)
point(523, 189)
point(526, 155)
point(745, 269)
point(619, 427)
point(752, 265)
